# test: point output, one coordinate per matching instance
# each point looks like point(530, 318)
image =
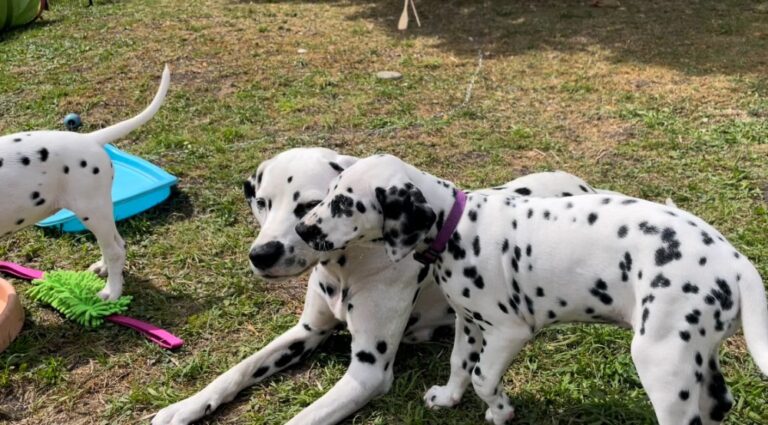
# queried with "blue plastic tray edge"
point(68, 222)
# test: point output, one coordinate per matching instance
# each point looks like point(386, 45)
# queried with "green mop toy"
point(74, 294)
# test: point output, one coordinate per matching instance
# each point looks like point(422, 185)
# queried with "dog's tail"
point(119, 130)
point(754, 317)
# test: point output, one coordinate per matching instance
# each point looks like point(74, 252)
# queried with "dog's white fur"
point(380, 302)
point(44, 171)
point(516, 265)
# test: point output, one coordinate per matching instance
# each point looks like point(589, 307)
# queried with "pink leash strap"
point(20, 271)
point(159, 336)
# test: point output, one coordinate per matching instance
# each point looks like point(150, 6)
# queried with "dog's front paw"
point(441, 396)
point(501, 416)
point(107, 295)
point(99, 268)
point(182, 413)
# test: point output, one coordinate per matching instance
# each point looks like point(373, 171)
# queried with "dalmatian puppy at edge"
point(514, 265)
point(381, 303)
point(45, 171)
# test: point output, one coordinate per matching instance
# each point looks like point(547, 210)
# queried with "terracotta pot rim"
point(11, 316)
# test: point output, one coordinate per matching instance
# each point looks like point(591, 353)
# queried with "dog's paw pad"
point(440, 396)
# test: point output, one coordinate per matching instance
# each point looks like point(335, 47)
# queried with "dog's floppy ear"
point(407, 218)
point(252, 183)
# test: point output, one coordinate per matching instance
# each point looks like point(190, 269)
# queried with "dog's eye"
point(261, 203)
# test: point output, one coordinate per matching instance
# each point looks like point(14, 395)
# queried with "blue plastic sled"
point(138, 186)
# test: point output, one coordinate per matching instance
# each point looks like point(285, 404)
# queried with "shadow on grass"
point(178, 207)
point(695, 37)
point(15, 32)
point(420, 366)
point(38, 341)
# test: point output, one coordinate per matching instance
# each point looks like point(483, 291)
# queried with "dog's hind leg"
point(97, 216)
point(291, 347)
point(501, 348)
point(715, 399)
point(100, 267)
point(668, 372)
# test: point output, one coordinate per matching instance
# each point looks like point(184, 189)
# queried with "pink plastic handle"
point(159, 336)
point(20, 271)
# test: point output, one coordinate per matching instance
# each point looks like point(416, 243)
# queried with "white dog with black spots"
point(515, 265)
point(45, 171)
point(380, 302)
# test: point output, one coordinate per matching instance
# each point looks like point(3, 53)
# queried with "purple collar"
point(449, 226)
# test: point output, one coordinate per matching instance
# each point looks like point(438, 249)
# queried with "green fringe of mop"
point(74, 294)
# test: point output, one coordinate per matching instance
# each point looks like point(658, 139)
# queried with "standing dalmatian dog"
point(45, 171)
point(514, 265)
point(381, 303)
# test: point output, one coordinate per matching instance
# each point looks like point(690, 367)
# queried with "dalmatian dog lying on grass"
point(45, 171)
point(515, 265)
point(381, 302)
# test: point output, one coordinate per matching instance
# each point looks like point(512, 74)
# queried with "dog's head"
point(373, 200)
point(280, 193)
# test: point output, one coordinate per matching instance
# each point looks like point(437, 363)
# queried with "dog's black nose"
point(265, 256)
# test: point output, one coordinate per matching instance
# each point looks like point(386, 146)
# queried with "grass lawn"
point(652, 99)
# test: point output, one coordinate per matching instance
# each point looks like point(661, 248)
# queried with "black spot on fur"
point(381, 347)
point(43, 154)
point(648, 229)
point(670, 249)
point(599, 292)
point(338, 168)
point(592, 218)
point(302, 209)
point(660, 281)
point(476, 246)
point(718, 391)
point(248, 188)
point(341, 205)
point(66, 169)
point(25, 160)
point(83, 164)
point(366, 357)
point(96, 170)
point(690, 288)
point(623, 231)
point(523, 191)
point(261, 371)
